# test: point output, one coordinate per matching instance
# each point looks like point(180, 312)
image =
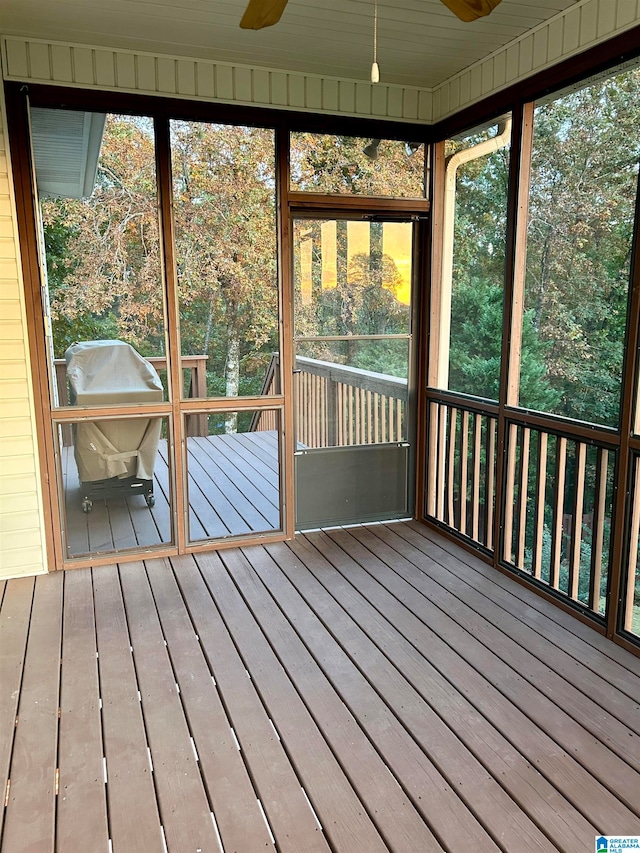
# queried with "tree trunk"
point(232, 378)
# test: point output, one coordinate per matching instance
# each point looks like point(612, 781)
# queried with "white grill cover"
point(110, 373)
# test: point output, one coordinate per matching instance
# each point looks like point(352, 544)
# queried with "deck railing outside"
point(196, 365)
point(337, 406)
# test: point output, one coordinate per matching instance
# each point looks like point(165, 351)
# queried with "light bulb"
point(375, 73)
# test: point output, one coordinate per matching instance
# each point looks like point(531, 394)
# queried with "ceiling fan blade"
point(262, 13)
point(470, 10)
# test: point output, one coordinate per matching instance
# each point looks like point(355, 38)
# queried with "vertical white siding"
point(120, 70)
point(21, 520)
point(582, 26)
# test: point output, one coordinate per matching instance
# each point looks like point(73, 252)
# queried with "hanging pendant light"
point(375, 69)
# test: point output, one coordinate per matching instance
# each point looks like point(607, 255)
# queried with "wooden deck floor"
point(359, 690)
point(233, 489)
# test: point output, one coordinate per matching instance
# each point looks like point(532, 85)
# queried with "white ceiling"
point(420, 42)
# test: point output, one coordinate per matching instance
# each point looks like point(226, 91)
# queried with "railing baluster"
point(399, 430)
point(451, 461)
point(558, 510)
point(475, 492)
point(633, 551)
point(541, 488)
point(576, 531)
point(315, 409)
point(464, 470)
point(432, 459)
point(597, 535)
point(491, 479)
point(376, 418)
point(507, 549)
point(442, 449)
point(383, 418)
point(523, 495)
point(305, 409)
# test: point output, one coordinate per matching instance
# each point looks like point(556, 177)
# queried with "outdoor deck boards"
point(379, 679)
point(233, 490)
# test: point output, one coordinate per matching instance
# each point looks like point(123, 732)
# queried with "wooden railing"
point(461, 469)
point(631, 621)
point(558, 510)
point(557, 502)
point(195, 364)
point(337, 406)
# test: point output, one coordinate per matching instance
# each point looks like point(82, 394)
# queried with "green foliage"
point(476, 341)
point(583, 187)
point(584, 572)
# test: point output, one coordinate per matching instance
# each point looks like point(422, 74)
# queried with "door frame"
point(304, 205)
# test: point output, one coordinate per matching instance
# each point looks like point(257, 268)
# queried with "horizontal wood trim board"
point(302, 202)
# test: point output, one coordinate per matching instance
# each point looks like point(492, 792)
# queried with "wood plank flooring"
point(233, 489)
point(357, 690)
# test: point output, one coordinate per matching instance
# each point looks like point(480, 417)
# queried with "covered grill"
point(114, 457)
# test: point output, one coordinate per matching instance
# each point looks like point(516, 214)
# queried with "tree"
point(103, 253)
point(583, 187)
point(476, 344)
point(224, 205)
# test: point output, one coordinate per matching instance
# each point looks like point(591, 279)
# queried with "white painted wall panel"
point(395, 102)
point(105, 70)
point(261, 86)
point(83, 66)
point(330, 100)
point(347, 97)
point(186, 77)
point(61, 63)
point(625, 12)
point(224, 82)
point(99, 67)
point(125, 70)
point(314, 94)
point(279, 94)
point(589, 22)
point(205, 80)
point(17, 58)
point(166, 71)
point(39, 64)
point(410, 104)
point(568, 33)
point(571, 40)
point(21, 518)
point(146, 77)
point(555, 32)
point(296, 91)
point(243, 85)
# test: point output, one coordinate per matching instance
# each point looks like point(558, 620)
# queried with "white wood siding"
point(100, 68)
point(21, 520)
point(585, 25)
